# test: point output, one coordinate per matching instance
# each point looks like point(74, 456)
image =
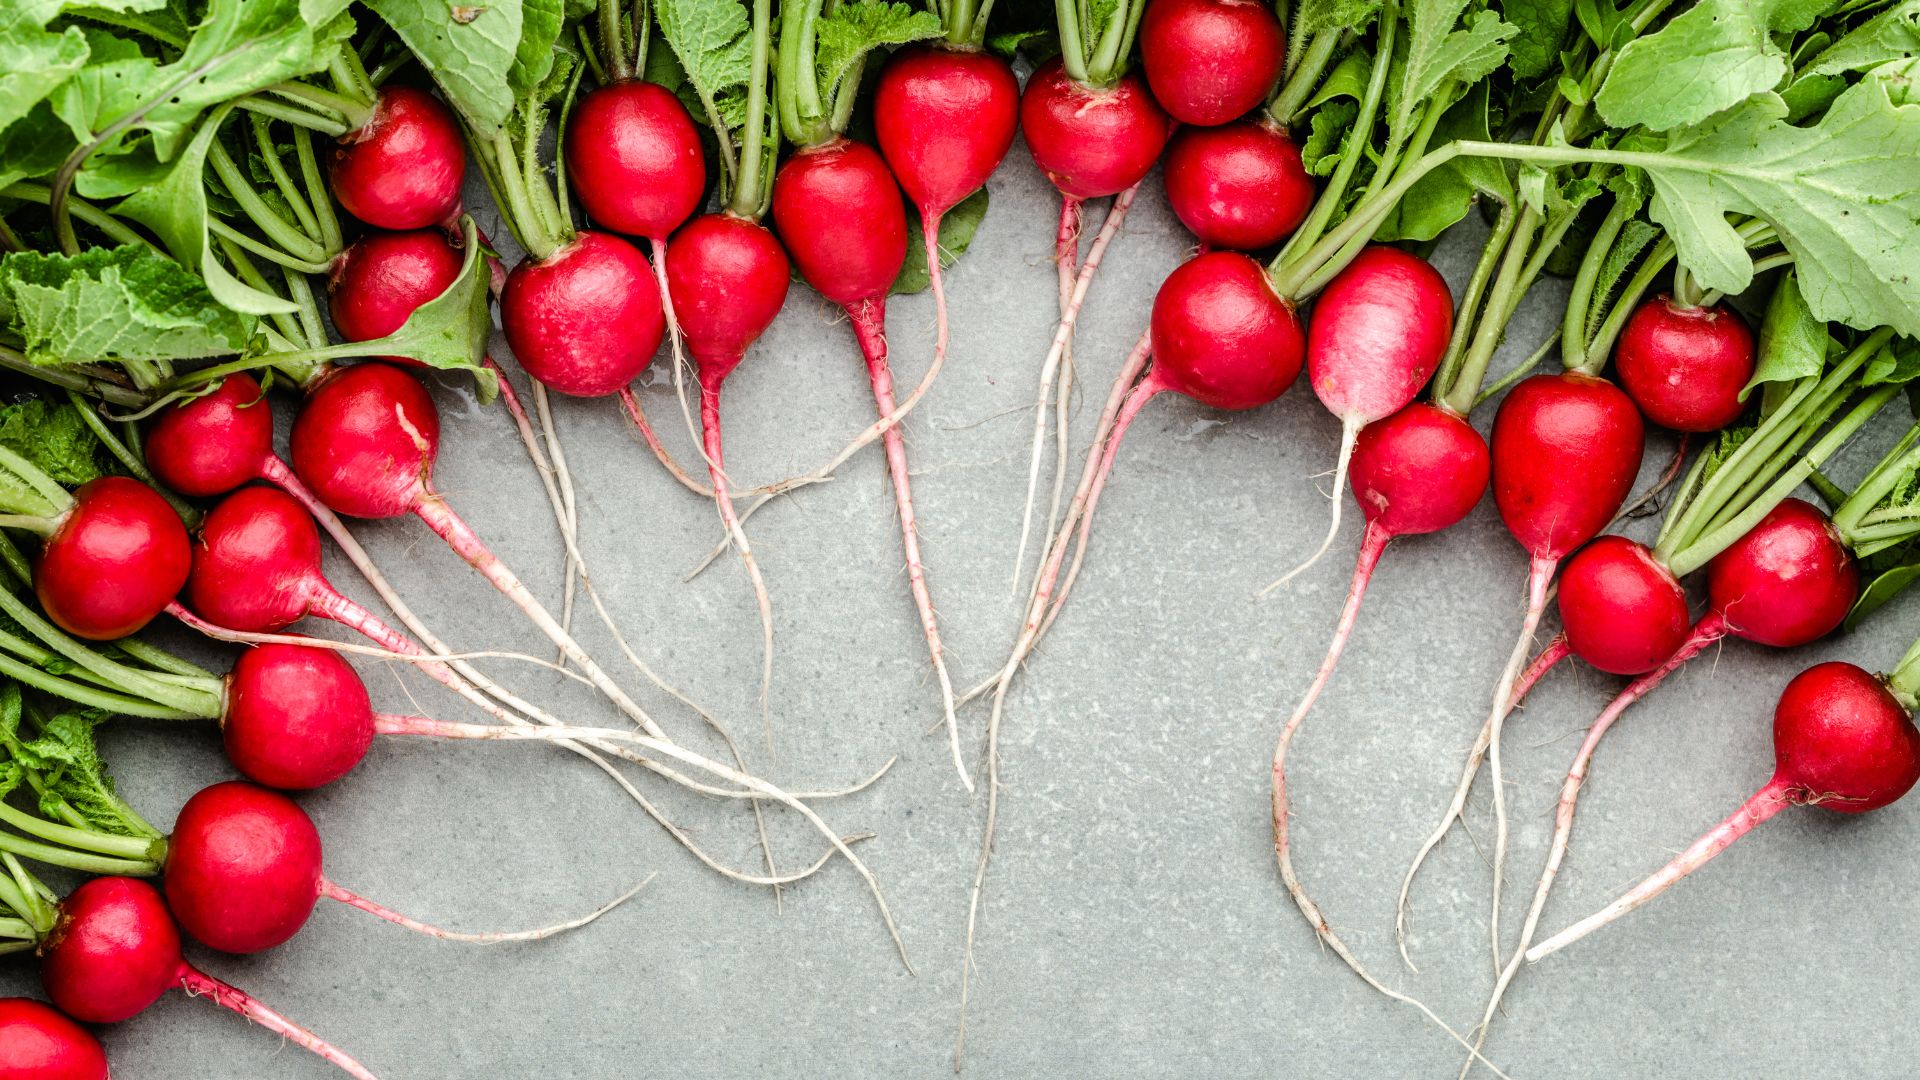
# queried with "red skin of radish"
point(214, 443)
point(944, 119)
point(1091, 143)
point(1419, 471)
point(114, 951)
point(37, 1043)
point(1789, 581)
point(1566, 449)
point(1623, 612)
point(1222, 336)
point(838, 210)
point(383, 277)
point(728, 277)
point(243, 868)
point(586, 319)
point(633, 156)
point(1377, 332)
point(117, 557)
point(1685, 366)
point(256, 566)
point(297, 718)
point(353, 454)
point(1240, 186)
point(1843, 740)
point(404, 167)
point(1211, 61)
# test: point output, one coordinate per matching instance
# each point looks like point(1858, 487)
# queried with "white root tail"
point(1349, 432)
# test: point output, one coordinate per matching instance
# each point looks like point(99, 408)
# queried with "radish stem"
point(333, 891)
point(198, 983)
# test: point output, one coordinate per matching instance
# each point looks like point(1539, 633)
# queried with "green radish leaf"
point(122, 303)
point(450, 331)
point(1313, 16)
point(1443, 196)
point(1843, 194)
point(33, 145)
point(540, 26)
point(469, 51)
point(54, 438)
point(1885, 586)
point(1040, 44)
point(1348, 79)
point(175, 208)
point(1708, 58)
point(1327, 132)
point(1793, 343)
point(1540, 28)
point(1894, 34)
point(1895, 365)
point(956, 234)
point(74, 775)
point(117, 79)
point(1636, 236)
point(34, 61)
point(713, 41)
point(1438, 54)
point(854, 30)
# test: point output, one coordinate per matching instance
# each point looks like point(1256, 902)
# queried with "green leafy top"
point(73, 785)
point(122, 303)
point(822, 56)
point(53, 438)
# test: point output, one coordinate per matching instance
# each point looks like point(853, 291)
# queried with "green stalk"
point(278, 229)
point(76, 860)
point(325, 102)
point(1106, 55)
point(286, 322)
point(204, 700)
point(1520, 371)
point(33, 915)
point(613, 42)
point(54, 498)
point(82, 694)
point(297, 115)
point(266, 251)
point(1879, 483)
point(1304, 76)
point(38, 524)
point(802, 114)
point(131, 461)
point(137, 848)
point(1905, 680)
point(526, 222)
point(115, 229)
point(162, 660)
point(747, 193)
point(350, 76)
point(290, 191)
point(15, 561)
point(1470, 300)
point(958, 21)
point(1499, 304)
point(1573, 325)
point(71, 379)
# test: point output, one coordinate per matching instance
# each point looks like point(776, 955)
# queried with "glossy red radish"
point(1239, 186)
point(633, 157)
point(1841, 741)
point(111, 560)
point(1211, 61)
point(381, 278)
point(115, 949)
point(1623, 611)
point(403, 168)
point(1377, 333)
point(213, 443)
point(38, 1043)
point(586, 319)
point(1686, 367)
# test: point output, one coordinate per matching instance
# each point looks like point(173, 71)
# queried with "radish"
point(114, 555)
point(380, 279)
point(1624, 613)
point(633, 156)
point(1091, 141)
point(1211, 61)
point(1377, 333)
point(210, 444)
point(1686, 367)
point(583, 316)
point(1240, 185)
point(1842, 740)
point(38, 1043)
point(115, 949)
point(402, 168)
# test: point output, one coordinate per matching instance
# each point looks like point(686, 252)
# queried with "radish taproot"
point(38, 1043)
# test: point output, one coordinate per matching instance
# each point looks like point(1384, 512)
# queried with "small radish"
point(112, 560)
point(1377, 333)
point(1211, 61)
point(381, 278)
point(1624, 612)
point(1686, 367)
point(584, 318)
point(38, 1043)
point(1841, 741)
point(295, 718)
point(115, 949)
point(403, 168)
point(1239, 186)
point(633, 156)
point(213, 443)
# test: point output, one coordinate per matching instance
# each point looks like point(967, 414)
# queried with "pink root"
point(710, 435)
point(333, 891)
point(199, 984)
point(1540, 572)
point(639, 418)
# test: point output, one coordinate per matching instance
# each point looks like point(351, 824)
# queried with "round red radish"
point(1222, 336)
point(944, 118)
point(383, 277)
point(633, 157)
point(296, 717)
point(365, 440)
point(1091, 142)
point(838, 210)
point(1239, 186)
point(1623, 612)
point(256, 566)
point(113, 951)
point(1789, 581)
point(1843, 740)
point(728, 278)
point(1685, 366)
point(38, 1043)
point(586, 319)
point(1211, 61)
point(403, 168)
point(115, 559)
point(243, 868)
point(1377, 332)
point(211, 444)
point(1566, 449)
point(1419, 471)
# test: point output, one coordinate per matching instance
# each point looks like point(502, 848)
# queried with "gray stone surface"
point(1134, 925)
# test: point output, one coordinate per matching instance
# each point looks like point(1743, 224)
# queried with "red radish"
point(945, 118)
point(1377, 333)
point(1211, 61)
point(1841, 740)
point(1623, 612)
point(113, 560)
point(403, 168)
point(1686, 367)
point(839, 211)
point(296, 718)
point(1239, 186)
point(1091, 142)
point(633, 155)
point(115, 950)
point(586, 319)
point(37, 1043)
point(1788, 582)
point(381, 278)
point(213, 443)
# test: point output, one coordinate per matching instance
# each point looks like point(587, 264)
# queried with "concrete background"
point(1134, 925)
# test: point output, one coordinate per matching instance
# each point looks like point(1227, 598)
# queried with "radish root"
point(333, 891)
point(1349, 432)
